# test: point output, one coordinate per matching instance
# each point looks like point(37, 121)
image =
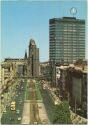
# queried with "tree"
point(62, 114)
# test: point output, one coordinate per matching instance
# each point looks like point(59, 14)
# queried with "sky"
point(22, 20)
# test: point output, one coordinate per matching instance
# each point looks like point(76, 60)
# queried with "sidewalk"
point(43, 114)
point(76, 119)
point(54, 97)
point(26, 113)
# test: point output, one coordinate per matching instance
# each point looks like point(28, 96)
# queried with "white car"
point(17, 111)
point(4, 111)
point(19, 118)
point(35, 122)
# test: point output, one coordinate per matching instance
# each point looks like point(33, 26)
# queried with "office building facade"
point(66, 40)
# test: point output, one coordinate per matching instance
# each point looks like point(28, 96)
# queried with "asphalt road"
point(34, 110)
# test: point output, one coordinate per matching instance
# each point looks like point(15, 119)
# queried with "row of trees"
point(62, 114)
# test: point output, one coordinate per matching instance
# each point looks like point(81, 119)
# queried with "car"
point(40, 107)
point(56, 102)
point(2, 96)
point(19, 118)
point(20, 101)
point(13, 106)
point(4, 111)
point(18, 111)
point(35, 122)
point(17, 86)
point(11, 119)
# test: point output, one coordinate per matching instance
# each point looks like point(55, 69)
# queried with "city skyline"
point(22, 21)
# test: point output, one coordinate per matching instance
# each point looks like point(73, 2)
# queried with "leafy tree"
point(62, 114)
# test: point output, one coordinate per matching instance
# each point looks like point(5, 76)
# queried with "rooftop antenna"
point(73, 11)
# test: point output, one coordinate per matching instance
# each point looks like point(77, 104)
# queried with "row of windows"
point(67, 30)
point(82, 51)
point(74, 24)
point(67, 56)
point(69, 42)
point(74, 54)
point(65, 60)
point(72, 33)
point(69, 27)
point(70, 38)
point(66, 25)
point(73, 38)
point(65, 36)
point(79, 48)
point(73, 27)
point(64, 43)
point(73, 46)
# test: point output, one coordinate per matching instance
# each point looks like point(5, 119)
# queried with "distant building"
point(12, 68)
point(45, 71)
point(73, 87)
point(33, 59)
point(25, 56)
point(62, 82)
point(66, 40)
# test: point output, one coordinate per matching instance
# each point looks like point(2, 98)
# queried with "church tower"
point(33, 59)
point(25, 56)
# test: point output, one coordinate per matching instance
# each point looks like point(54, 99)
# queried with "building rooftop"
point(8, 59)
point(71, 18)
point(63, 19)
point(81, 68)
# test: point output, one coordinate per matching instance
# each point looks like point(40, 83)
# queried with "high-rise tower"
point(66, 39)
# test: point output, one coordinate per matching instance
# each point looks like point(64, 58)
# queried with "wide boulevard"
point(30, 107)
